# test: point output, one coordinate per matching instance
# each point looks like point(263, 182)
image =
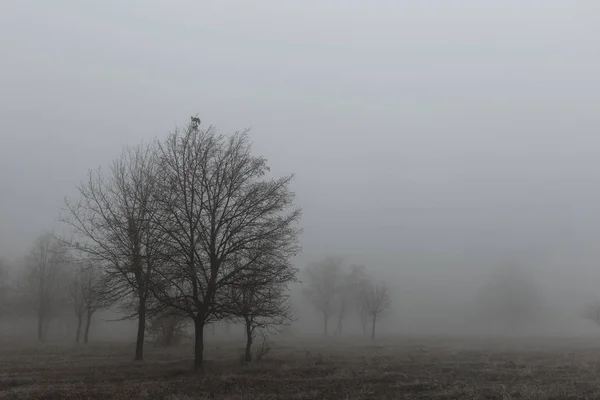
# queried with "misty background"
point(432, 142)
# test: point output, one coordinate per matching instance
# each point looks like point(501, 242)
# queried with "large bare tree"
point(113, 225)
point(323, 280)
point(216, 203)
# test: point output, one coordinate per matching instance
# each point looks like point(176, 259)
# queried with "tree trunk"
point(199, 343)
point(213, 329)
point(248, 341)
point(364, 322)
point(168, 331)
point(41, 318)
point(41, 312)
point(341, 315)
point(325, 319)
point(338, 328)
point(88, 322)
point(45, 327)
point(41, 327)
point(78, 335)
point(373, 329)
point(139, 342)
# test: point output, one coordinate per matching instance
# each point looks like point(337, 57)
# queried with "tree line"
point(189, 230)
point(193, 227)
point(337, 291)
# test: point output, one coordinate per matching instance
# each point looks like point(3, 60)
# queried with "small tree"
point(349, 293)
point(113, 224)
point(376, 300)
point(167, 329)
point(46, 278)
point(510, 299)
point(86, 296)
point(259, 297)
point(322, 284)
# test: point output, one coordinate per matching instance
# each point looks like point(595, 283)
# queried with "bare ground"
point(394, 369)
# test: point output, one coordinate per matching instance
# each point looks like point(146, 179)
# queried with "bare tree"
point(112, 224)
point(511, 299)
point(591, 311)
point(46, 272)
point(323, 280)
point(349, 293)
point(260, 297)
point(376, 300)
point(215, 204)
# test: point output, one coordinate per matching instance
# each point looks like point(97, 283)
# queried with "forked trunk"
point(373, 328)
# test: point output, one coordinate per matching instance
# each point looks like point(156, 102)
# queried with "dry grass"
point(395, 369)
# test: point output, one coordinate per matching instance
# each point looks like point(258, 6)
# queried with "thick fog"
point(433, 142)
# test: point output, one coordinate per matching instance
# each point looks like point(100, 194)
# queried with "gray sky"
point(436, 133)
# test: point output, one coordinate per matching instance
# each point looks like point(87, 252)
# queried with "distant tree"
point(591, 311)
point(46, 275)
point(4, 289)
point(349, 293)
point(362, 284)
point(376, 299)
point(323, 279)
point(86, 296)
point(167, 329)
point(216, 203)
point(510, 298)
point(113, 225)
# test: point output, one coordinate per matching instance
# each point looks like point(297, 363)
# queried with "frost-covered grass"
point(394, 369)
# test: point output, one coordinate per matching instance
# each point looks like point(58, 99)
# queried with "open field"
point(393, 369)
